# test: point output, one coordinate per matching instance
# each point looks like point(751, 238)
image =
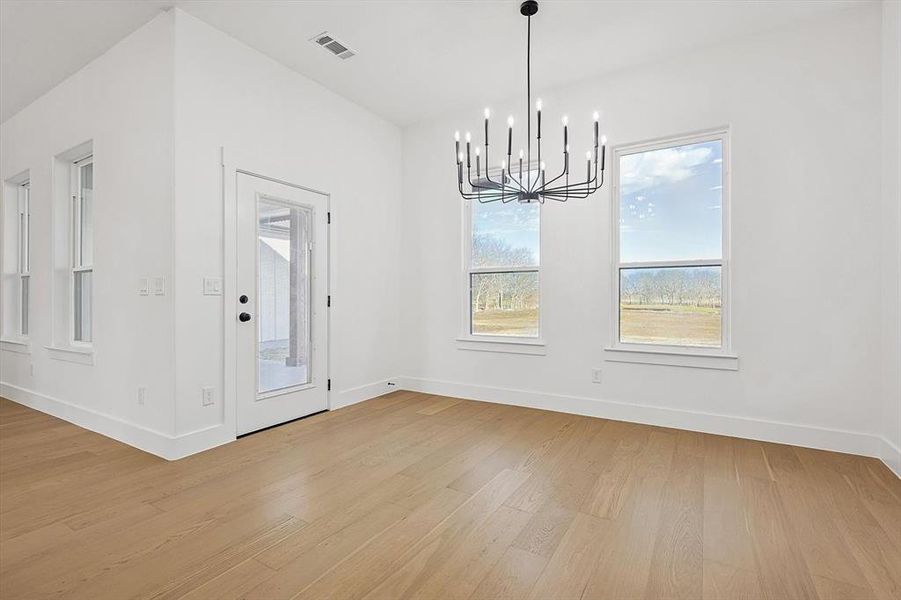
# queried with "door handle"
point(244, 317)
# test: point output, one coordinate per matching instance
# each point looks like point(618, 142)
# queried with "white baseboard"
point(172, 447)
point(164, 445)
point(361, 393)
point(891, 456)
point(850, 442)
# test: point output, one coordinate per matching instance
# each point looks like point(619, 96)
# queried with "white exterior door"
point(281, 303)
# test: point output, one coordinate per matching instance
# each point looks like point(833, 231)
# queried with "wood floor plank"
point(676, 567)
point(783, 571)
point(725, 582)
point(414, 495)
point(573, 562)
point(512, 576)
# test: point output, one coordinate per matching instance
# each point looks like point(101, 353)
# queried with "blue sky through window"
point(671, 203)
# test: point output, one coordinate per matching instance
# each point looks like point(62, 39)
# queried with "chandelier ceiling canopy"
point(530, 185)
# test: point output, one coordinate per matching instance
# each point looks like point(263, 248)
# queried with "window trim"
point(23, 260)
point(648, 353)
point(467, 340)
point(76, 264)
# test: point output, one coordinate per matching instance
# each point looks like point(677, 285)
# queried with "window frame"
point(23, 259)
point(77, 265)
point(637, 351)
point(467, 340)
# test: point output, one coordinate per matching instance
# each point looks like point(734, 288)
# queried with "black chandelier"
point(528, 186)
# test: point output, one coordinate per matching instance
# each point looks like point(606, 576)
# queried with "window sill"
point(533, 347)
point(672, 358)
point(82, 356)
point(22, 346)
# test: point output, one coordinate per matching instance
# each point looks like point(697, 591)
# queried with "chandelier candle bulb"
point(603, 150)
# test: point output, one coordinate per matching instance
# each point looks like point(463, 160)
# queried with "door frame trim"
point(234, 163)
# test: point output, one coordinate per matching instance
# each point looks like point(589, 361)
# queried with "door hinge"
point(328, 217)
point(328, 300)
point(328, 386)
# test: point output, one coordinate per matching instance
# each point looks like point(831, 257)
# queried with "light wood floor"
point(411, 495)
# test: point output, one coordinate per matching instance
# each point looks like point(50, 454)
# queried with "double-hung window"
point(23, 264)
point(502, 269)
point(670, 245)
point(82, 249)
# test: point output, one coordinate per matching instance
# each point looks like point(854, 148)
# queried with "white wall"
point(123, 102)
point(804, 108)
point(891, 230)
point(228, 95)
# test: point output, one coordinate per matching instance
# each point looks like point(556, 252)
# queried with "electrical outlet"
point(142, 395)
point(596, 376)
point(209, 396)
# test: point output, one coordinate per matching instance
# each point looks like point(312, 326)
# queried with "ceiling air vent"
point(332, 45)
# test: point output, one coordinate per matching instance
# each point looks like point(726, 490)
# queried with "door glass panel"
point(284, 248)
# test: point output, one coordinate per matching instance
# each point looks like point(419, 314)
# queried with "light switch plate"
point(212, 286)
point(208, 395)
point(159, 286)
point(143, 286)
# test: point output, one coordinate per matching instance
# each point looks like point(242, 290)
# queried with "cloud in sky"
point(667, 165)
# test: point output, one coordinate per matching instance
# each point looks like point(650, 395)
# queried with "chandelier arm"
point(571, 192)
point(581, 190)
point(517, 188)
point(482, 198)
point(545, 186)
point(487, 171)
point(478, 195)
point(583, 184)
point(576, 187)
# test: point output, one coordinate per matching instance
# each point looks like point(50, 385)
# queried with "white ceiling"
point(416, 59)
